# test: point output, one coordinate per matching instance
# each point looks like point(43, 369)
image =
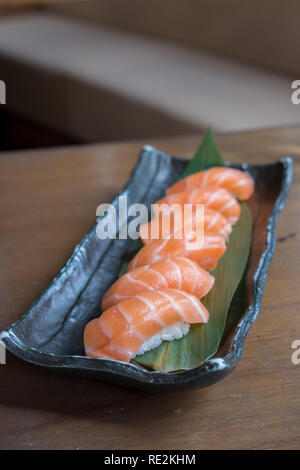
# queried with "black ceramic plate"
point(49, 334)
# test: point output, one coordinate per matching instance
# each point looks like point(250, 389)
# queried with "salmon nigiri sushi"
point(141, 323)
point(206, 253)
point(177, 273)
point(163, 226)
point(237, 182)
point(218, 199)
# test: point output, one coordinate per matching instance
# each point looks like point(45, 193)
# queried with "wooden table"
point(48, 203)
point(13, 3)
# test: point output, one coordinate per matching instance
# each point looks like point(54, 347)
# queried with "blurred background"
point(108, 70)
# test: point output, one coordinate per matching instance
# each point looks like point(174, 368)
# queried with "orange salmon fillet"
point(122, 329)
point(217, 199)
point(177, 273)
point(164, 227)
point(207, 256)
point(235, 181)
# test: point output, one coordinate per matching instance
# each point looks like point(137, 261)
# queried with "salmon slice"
point(217, 199)
point(140, 323)
point(164, 227)
point(235, 181)
point(206, 254)
point(177, 273)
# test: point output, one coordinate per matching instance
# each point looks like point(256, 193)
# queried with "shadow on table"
point(23, 386)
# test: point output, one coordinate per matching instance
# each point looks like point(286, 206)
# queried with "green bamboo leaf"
point(206, 156)
point(203, 340)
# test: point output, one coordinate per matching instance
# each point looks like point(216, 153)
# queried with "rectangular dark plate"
point(50, 333)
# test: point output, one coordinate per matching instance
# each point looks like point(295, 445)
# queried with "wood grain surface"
point(48, 202)
point(13, 3)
